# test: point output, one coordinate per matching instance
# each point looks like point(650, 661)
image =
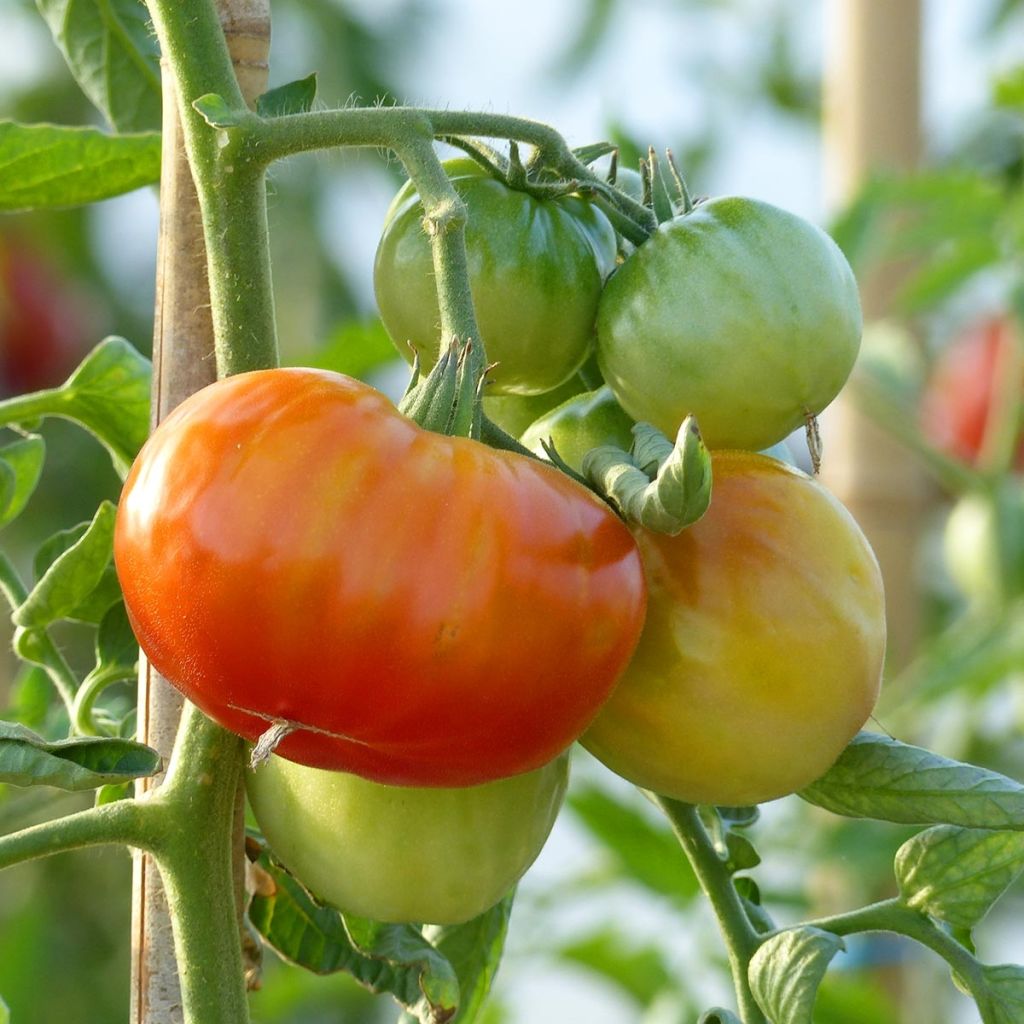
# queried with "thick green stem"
point(231, 189)
point(741, 940)
point(124, 822)
point(892, 916)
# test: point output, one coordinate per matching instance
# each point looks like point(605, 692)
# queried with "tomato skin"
point(583, 422)
point(395, 853)
point(740, 313)
point(437, 613)
point(536, 271)
point(762, 652)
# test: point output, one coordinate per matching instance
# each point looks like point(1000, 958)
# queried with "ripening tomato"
point(536, 270)
point(740, 313)
point(762, 652)
point(422, 609)
point(958, 397)
point(399, 853)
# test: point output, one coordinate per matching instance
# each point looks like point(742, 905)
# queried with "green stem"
point(92, 686)
point(892, 916)
point(121, 822)
point(195, 854)
point(231, 188)
point(741, 940)
point(45, 652)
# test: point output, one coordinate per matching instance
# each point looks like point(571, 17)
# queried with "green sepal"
point(447, 401)
point(594, 151)
point(659, 486)
point(661, 198)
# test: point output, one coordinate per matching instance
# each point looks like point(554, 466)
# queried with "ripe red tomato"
point(958, 398)
point(762, 652)
point(426, 610)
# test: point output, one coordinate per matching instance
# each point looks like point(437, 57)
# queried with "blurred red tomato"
point(41, 329)
point(958, 397)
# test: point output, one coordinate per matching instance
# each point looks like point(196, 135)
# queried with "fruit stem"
point(741, 940)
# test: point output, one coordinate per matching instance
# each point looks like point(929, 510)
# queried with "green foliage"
point(1002, 998)
point(640, 971)
point(292, 98)
point(787, 969)
point(82, 763)
point(44, 165)
point(113, 55)
point(21, 463)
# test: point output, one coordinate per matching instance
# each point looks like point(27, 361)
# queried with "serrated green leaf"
point(292, 98)
point(113, 54)
point(956, 874)
point(474, 949)
point(108, 395)
point(1003, 999)
point(45, 166)
point(23, 460)
point(81, 763)
point(115, 641)
point(645, 852)
point(641, 972)
point(787, 969)
point(877, 777)
point(384, 958)
point(70, 582)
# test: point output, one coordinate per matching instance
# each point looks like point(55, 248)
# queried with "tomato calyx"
point(448, 400)
point(658, 485)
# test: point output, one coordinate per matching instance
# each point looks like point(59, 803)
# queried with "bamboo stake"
point(183, 362)
point(872, 123)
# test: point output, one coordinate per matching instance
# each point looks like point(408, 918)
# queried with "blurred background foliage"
point(740, 82)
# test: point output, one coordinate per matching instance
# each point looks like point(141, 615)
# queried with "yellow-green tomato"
point(394, 853)
point(536, 269)
point(583, 422)
point(738, 312)
point(762, 651)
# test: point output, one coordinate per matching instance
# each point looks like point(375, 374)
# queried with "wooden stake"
point(183, 362)
point(872, 123)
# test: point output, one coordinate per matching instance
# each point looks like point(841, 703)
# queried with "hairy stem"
point(741, 940)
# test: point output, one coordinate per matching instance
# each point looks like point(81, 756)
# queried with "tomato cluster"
point(424, 624)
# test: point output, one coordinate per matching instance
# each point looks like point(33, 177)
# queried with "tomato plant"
point(762, 652)
point(348, 839)
point(431, 655)
point(536, 269)
point(737, 312)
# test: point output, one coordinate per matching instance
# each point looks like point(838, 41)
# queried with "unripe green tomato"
point(739, 313)
point(394, 853)
point(762, 651)
point(536, 271)
point(514, 413)
point(583, 422)
point(983, 544)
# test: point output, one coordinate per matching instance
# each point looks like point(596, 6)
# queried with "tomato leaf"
point(113, 55)
point(716, 1015)
point(956, 874)
point(1002, 1000)
point(474, 949)
point(45, 166)
point(645, 852)
point(640, 972)
point(787, 969)
point(23, 463)
point(108, 395)
point(292, 98)
point(30, 696)
point(26, 759)
point(115, 641)
point(214, 109)
point(878, 777)
point(384, 958)
point(72, 586)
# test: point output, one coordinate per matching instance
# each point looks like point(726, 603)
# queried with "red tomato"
point(426, 610)
point(958, 397)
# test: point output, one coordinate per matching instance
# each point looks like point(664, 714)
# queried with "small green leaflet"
point(113, 55)
point(877, 777)
point(719, 1016)
point(21, 463)
point(787, 969)
point(81, 763)
point(293, 98)
point(1002, 1000)
point(956, 874)
point(642, 972)
point(108, 395)
point(44, 166)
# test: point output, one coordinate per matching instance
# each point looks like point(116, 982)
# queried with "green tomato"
point(983, 544)
point(394, 853)
point(583, 422)
point(738, 312)
point(536, 271)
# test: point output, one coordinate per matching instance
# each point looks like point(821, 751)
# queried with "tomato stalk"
point(741, 940)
